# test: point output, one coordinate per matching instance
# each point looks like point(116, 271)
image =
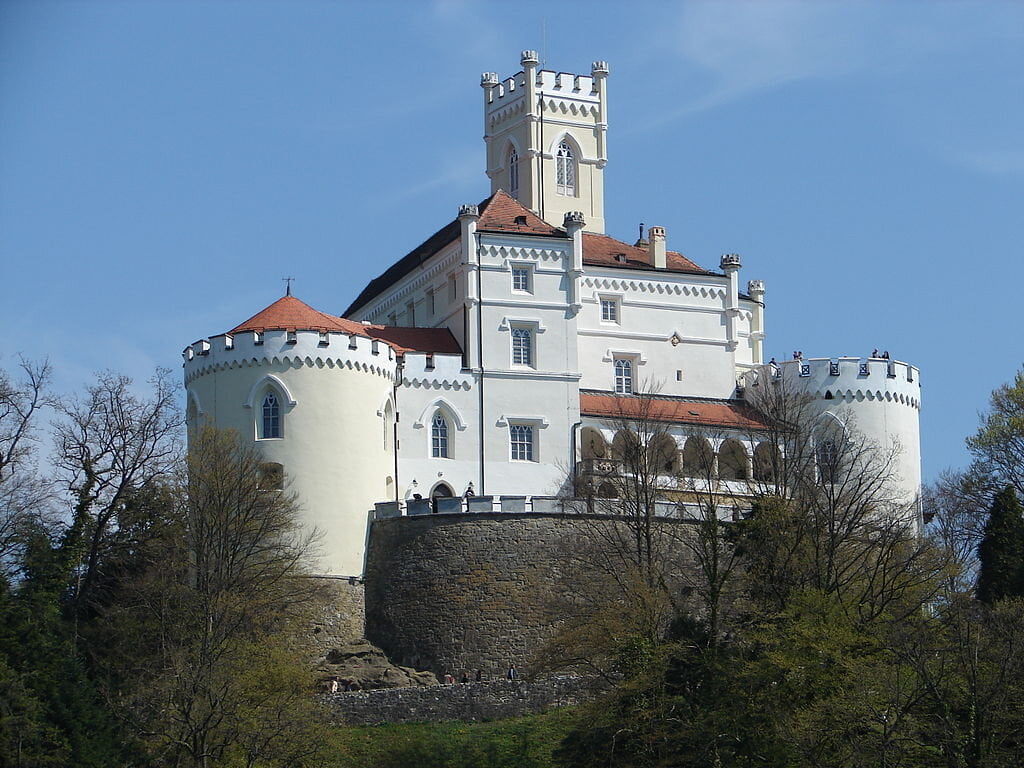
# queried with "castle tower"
point(313, 394)
point(878, 398)
point(546, 139)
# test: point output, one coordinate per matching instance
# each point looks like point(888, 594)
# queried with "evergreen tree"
point(1001, 551)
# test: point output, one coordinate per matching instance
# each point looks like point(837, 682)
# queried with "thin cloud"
point(996, 162)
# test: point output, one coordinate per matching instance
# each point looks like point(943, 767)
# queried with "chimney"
point(656, 247)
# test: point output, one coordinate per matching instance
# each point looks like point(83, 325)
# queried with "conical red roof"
point(291, 314)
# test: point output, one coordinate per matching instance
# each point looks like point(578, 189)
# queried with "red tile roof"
point(430, 340)
point(730, 414)
point(603, 251)
point(500, 212)
point(291, 314)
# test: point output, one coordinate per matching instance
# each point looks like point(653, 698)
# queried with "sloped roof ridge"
point(499, 212)
point(291, 314)
point(670, 398)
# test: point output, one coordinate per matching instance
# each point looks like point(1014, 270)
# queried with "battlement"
point(500, 94)
point(847, 378)
point(498, 90)
point(435, 371)
point(296, 347)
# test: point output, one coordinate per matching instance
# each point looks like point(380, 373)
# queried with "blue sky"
point(164, 164)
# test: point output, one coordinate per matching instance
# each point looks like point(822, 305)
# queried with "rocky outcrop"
point(359, 665)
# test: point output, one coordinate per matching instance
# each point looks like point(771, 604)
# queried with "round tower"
point(877, 397)
point(314, 394)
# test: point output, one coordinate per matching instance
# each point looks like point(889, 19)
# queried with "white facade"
point(545, 312)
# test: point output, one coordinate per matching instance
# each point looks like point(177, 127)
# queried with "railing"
point(454, 505)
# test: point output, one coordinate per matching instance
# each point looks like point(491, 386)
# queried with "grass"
point(522, 742)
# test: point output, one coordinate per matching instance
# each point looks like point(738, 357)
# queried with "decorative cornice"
point(290, 361)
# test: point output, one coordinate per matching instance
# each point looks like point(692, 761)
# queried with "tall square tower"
point(546, 139)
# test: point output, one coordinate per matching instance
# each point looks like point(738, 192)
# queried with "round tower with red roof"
point(314, 393)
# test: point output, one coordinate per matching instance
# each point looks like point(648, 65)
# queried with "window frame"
point(527, 447)
point(274, 419)
point(516, 333)
point(440, 440)
point(627, 385)
point(513, 172)
point(566, 183)
point(615, 304)
point(522, 270)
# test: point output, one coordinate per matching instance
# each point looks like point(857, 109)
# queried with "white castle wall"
point(448, 387)
point(655, 308)
point(545, 394)
point(880, 398)
point(333, 390)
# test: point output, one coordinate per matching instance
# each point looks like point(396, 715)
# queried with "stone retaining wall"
point(340, 614)
point(460, 592)
point(489, 700)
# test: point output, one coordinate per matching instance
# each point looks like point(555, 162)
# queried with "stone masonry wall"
point(340, 614)
point(454, 593)
point(489, 700)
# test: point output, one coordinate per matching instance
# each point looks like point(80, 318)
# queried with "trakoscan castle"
point(496, 359)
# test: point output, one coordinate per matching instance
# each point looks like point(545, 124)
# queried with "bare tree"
point(111, 446)
point(833, 493)
point(23, 494)
point(221, 673)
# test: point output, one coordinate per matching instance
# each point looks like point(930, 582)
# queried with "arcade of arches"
point(697, 458)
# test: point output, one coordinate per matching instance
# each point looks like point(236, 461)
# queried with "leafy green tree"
point(1001, 551)
point(998, 445)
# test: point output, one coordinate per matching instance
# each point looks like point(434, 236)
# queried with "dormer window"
point(565, 170)
point(513, 173)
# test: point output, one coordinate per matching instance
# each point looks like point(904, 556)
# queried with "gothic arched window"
point(623, 376)
point(439, 437)
point(828, 461)
point(565, 170)
point(522, 346)
point(513, 173)
point(271, 416)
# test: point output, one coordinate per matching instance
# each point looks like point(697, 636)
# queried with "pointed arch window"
point(565, 170)
point(828, 461)
point(623, 376)
point(271, 416)
point(439, 436)
point(522, 346)
point(513, 173)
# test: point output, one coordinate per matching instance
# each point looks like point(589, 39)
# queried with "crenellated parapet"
point(853, 379)
point(434, 371)
point(313, 349)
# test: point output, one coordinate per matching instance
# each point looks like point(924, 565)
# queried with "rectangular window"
point(521, 439)
point(609, 310)
point(430, 302)
point(453, 288)
point(410, 314)
point(522, 346)
point(521, 279)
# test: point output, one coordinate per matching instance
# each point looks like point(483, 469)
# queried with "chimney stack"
point(656, 247)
